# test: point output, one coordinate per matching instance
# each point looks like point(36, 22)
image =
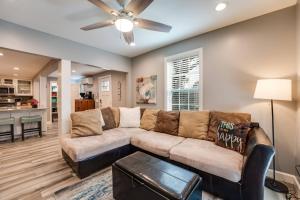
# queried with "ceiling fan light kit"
point(126, 18)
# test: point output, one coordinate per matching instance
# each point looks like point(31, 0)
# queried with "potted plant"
point(34, 103)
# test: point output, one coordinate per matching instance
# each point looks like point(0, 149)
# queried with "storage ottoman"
point(140, 176)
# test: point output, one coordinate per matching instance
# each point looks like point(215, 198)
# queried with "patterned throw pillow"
point(232, 136)
point(216, 117)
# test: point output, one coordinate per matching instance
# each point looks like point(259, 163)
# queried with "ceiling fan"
point(126, 18)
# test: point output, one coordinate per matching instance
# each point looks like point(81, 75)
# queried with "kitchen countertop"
point(20, 109)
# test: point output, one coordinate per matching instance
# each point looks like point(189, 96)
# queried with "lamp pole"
point(272, 183)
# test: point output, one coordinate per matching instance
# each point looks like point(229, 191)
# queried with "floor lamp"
point(274, 89)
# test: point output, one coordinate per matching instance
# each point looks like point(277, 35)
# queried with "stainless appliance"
point(7, 102)
point(7, 90)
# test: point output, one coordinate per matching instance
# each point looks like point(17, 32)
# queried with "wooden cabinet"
point(84, 104)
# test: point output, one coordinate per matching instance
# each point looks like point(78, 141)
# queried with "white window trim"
point(182, 55)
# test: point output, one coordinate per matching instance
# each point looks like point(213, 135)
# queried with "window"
point(184, 81)
point(105, 86)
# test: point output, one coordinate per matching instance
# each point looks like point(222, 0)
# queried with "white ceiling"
point(80, 70)
point(188, 18)
point(29, 64)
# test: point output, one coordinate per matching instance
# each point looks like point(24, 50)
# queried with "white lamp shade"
point(276, 89)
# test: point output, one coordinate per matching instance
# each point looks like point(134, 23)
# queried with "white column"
point(64, 96)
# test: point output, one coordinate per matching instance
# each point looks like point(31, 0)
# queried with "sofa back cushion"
point(167, 122)
point(130, 117)
point(216, 117)
point(108, 118)
point(149, 119)
point(86, 123)
point(193, 124)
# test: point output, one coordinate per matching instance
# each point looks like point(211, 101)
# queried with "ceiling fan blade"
point(138, 6)
point(97, 25)
point(129, 37)
point(152, 25)
point(100, 4)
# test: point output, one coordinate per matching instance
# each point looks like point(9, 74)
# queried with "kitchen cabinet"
point(24, 87)
point(7, 81)
point(84, 104)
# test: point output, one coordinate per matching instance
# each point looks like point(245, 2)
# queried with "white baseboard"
point(288, 178)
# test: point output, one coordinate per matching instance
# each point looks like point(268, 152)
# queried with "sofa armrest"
point(258, 157)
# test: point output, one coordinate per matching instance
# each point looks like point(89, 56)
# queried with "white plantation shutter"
point(183, 83)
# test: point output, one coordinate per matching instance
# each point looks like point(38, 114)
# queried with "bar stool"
point(5, 122)
point(29, 120)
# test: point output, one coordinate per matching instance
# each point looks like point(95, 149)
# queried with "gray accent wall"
point(234, 58)
point(24, 39)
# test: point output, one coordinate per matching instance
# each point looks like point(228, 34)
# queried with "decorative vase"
point(34, 106)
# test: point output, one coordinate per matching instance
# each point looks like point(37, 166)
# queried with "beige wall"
point(298, 88)
point(115, 78)
point(234, 58)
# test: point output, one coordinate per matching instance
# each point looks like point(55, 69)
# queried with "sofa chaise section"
point(87, 155)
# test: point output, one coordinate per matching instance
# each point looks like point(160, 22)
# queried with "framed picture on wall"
point(146, 90)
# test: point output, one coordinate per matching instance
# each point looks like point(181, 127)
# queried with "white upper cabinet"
point(24, 87)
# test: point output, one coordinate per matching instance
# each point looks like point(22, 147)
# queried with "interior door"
point(105, 91)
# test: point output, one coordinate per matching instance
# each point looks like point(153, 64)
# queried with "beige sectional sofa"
point(223, 170)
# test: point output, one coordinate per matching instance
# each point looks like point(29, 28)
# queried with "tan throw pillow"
point(86, 123)
point(149, 118)
point(167, 122)
point(193, 124)
point(216, 117)
point(116, 113)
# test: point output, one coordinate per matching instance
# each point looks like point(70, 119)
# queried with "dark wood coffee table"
point(140, 176)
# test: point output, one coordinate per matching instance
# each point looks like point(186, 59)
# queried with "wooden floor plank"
point(33, 169)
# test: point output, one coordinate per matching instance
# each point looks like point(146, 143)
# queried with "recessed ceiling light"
point(1, 54)
point(16, 68)
point(221, 6)
point(73, 71)
point(15, 74)
point(132, 44)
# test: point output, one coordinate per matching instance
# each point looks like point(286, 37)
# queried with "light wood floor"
point(33, 169)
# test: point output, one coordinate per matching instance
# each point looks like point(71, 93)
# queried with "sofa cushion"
point(130, 117)
point(167, 122)
point(108, 118)
point(86, 123)
point(193, 124)
point(116, 113)
point(149, 118)
point(216, 117)
point(82, 148)
point(208, 157)
point(131, 131)
point(154, 142)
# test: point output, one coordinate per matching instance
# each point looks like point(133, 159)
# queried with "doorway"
point(105, 91)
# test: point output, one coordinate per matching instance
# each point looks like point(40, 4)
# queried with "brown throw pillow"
point(116, 113)
point(86, 123)
point(232, 136)
point(149, 118)
point(216, 117)
point(108, 118)
point(142, 112)
point(167, 122)
point(193, 124)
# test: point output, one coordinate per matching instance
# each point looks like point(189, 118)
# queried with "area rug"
point(96, 187)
